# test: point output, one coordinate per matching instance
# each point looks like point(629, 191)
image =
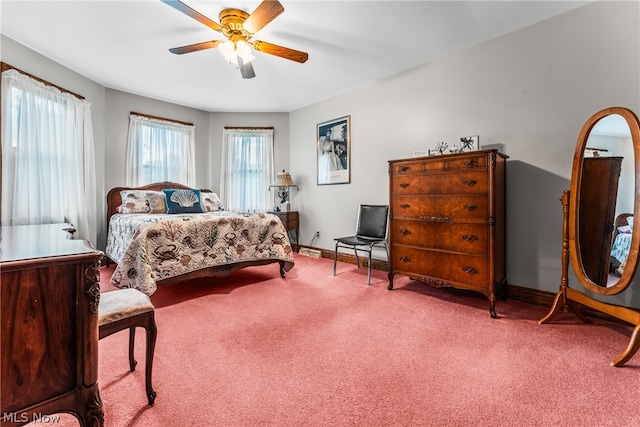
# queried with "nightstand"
point(291, 222)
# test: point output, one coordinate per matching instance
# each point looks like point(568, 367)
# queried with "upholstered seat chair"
point(128, 309)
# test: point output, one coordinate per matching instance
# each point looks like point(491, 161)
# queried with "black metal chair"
point(371, 231)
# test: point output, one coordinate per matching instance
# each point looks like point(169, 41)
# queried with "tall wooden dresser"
point(447, 221)
point(598, 197)
point(50, 294)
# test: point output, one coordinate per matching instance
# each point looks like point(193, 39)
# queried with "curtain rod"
point(161, 118)
point(248, 127)
point(4, 67)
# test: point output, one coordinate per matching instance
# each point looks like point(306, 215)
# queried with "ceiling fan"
point(239, 27)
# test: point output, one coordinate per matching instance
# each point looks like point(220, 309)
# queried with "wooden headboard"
point(114, 200)
point(620, 221)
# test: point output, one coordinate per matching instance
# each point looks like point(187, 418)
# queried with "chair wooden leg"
point(335, 259)
point(132, 340)
point(151, 332)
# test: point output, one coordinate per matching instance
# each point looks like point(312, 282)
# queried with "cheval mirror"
point(599, 211)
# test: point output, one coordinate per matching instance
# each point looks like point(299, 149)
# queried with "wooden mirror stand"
point(576, 246)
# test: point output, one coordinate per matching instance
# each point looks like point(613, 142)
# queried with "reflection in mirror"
point(606, 200)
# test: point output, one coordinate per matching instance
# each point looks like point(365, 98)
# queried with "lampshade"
point(228, 50)
point(244, 51)
point(283, 179)
point(231, 51)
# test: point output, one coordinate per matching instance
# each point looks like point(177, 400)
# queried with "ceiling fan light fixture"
point(231, 50)
point(239, 27)
point(228, 50)
point(244, 51)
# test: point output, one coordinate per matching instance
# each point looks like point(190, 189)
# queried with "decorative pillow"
point(134, 201)
point(625, 229)
point(630, 222)
point(157, 202)
point(211, 202)
point(183, 201)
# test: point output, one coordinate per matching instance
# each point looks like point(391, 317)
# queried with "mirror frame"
point(576, 179)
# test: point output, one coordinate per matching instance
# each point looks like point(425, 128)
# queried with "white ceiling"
point(124, 45)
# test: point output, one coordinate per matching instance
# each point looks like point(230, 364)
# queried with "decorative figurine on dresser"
point(447, 221)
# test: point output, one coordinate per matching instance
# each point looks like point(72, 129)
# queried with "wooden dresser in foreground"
point(447, 221)
point(50, 292)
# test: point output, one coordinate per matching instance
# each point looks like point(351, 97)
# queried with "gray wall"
point(529, 92)
point(120, 104)
point(209, 128)
point(279, 122)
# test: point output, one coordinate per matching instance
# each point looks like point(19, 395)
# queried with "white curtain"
point(247, 169)
point(159, 150)
point(48, 163)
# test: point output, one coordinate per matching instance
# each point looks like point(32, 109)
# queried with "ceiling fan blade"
point(246, 69)
point(195, 47)
point(266, 12)
point(283, 52)
point(178, 5)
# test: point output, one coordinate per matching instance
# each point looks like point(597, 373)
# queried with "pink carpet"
point(253, 349)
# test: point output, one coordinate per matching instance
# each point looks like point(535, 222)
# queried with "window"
point(159, 150)
point(247, 169)
point(48, 158)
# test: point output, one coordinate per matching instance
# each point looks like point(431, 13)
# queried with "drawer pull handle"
point(470, 207)
point(470, 182)
point(405, 259)
point(405, 206)
point(405, 168)
point(470, 270)
point(405, 185)
point(471, 163)
point(435, 218)
point(405, 232)
point(470, 238)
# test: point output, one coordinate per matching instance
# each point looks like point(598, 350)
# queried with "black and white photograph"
point(469, 143)
point(334, 151)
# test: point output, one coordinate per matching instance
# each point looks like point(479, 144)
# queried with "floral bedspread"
point(620, 249)
point(150, 247)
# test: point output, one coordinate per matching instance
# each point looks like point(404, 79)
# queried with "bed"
point(621, 242)
point(156, 245)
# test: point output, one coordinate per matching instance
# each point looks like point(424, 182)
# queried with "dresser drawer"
point(474, 207)
point(466, 161)
point(466, 238)
point(442, 183)
point(470, 270)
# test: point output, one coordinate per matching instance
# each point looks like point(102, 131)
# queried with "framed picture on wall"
point(333, 150)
